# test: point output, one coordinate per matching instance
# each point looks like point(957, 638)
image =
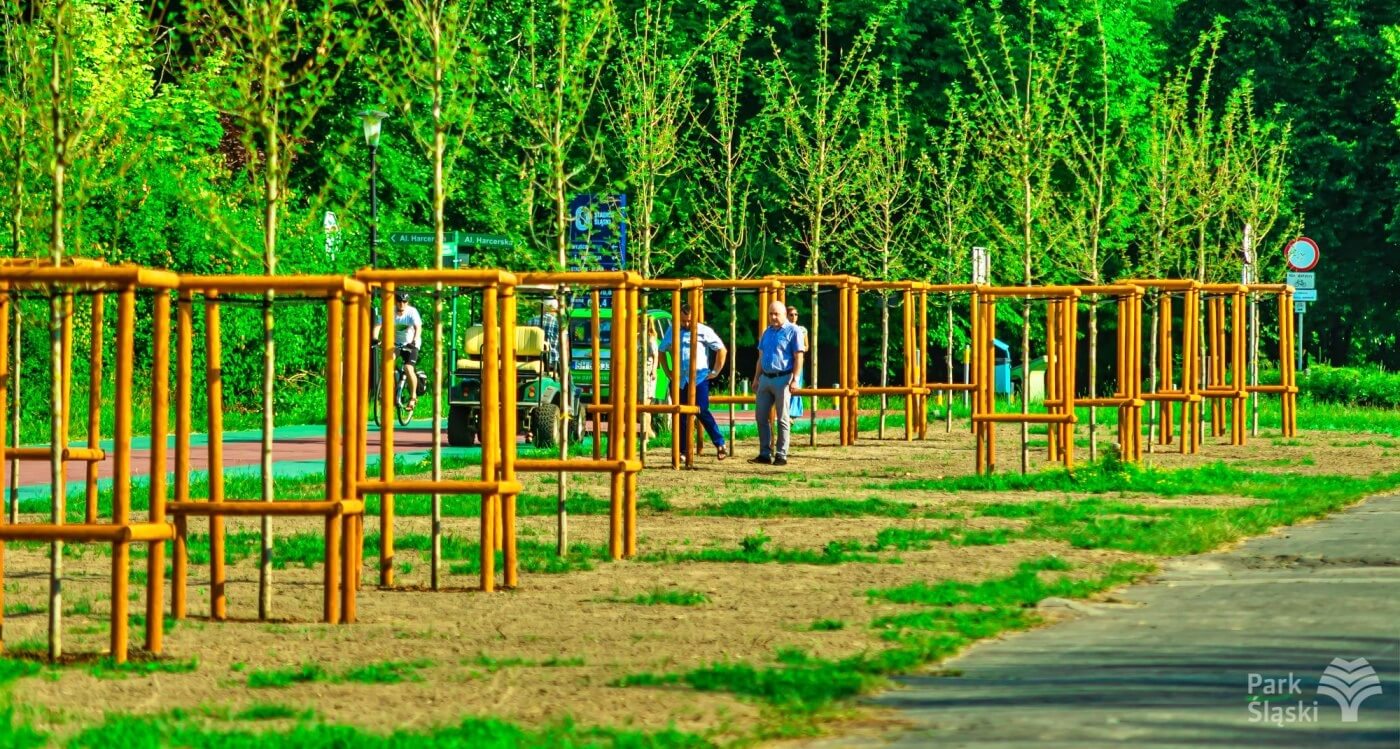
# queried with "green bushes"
point(1369, 386)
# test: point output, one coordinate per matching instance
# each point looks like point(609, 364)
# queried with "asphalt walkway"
point(1221, 650)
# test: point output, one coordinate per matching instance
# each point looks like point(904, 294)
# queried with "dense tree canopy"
point(1208, 116)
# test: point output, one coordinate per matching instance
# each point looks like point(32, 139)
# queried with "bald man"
point(779, 361)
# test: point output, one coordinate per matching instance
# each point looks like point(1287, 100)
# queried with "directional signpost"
point(1303, 255)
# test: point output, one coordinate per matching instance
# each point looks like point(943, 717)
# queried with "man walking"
point(707, 342)
point(779, 361)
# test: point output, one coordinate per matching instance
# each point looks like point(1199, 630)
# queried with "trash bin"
point(1002, 369)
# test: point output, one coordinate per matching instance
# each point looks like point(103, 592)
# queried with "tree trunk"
point(1153, 414)
point(733, 347)
point(271, 197)
point(812, 354)
point(57, 396)
point(1093, 375)
point(948, 359)
point(884, 355)
point(561, 222)
point(1025, 385)
point(439, 342)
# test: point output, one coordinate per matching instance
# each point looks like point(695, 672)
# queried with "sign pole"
point(1298, 344)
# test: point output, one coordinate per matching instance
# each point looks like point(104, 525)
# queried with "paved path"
point(1171, 666)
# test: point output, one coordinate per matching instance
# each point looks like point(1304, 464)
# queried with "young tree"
point(817, 121)
point(279, 59)
point(1094, 161)
point(728, 154)
point(430, 64)
point(886, 181)
point(549, 85)
point(1018, 83)
point(951, 199)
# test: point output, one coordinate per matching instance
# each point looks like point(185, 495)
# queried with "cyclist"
point(408, 339)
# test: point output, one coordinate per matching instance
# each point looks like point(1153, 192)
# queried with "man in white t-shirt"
point(707, 342)
point(408, 340)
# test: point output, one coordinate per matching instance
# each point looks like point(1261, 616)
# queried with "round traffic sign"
point(1302, 254)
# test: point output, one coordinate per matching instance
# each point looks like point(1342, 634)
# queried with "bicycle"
point(402, 397)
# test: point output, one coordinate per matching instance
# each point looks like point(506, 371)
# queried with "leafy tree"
point(278, 60)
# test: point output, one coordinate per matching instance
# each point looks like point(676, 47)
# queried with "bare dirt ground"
point(567, 637)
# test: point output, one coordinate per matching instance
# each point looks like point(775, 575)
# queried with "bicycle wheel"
point(401, 397)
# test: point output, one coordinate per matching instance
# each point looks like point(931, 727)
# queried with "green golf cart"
point(540, 401)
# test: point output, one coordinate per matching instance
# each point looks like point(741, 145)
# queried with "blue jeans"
point(707, 419)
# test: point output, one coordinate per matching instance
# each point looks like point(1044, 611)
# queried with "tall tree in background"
point(431, 65)
point(553, 69)
point(280, 63)
point(1018, 77)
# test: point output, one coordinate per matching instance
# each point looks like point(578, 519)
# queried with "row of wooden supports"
point(348, 363)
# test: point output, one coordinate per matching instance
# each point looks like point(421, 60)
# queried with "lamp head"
point(372, 119)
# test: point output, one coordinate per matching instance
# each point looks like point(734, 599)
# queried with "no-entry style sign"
point(1302, 254)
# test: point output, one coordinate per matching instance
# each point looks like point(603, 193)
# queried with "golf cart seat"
point(529, 349)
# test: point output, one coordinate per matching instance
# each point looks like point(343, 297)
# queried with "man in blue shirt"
point(707, 342)
point(779, 360)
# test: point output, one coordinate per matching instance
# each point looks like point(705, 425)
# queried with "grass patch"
point(386, 672)
point(106, 668)
point(492, 665)
point(754, 549)
point(828, 625)
point(661, 597)
point(151, 731)
point(951, 615)
point(273, 711)
point(278, 678)
point(383, 672)
point(774, 507)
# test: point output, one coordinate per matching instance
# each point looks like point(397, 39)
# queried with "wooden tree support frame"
point(914, 335)
point(950, 387)
point(623, 461)
point(687, 291)
point(342, 510)
point(846, 393)
point(1287, 388)
point(95, 282)
point(1225, 381)
point(1061, 327)
point(1167, 392)
point(1127, 396)
point(498, 486)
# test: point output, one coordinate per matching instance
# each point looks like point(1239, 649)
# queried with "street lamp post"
point(372, 119)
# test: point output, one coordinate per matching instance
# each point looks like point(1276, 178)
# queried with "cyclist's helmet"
point(402, 296)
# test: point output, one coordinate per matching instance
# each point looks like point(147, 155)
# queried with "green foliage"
point(828, 625)
point(272, 711)
point(1367, 386)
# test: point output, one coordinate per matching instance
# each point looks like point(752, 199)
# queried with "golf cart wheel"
point(459, 426)
point(547, 425)
point(578, 425)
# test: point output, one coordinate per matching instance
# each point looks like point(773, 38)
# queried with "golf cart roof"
point(605, 313)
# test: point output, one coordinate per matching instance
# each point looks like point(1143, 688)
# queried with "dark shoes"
point(764, 459)
point(780, 461)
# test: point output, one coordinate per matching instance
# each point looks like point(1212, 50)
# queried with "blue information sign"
point(597, 237)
